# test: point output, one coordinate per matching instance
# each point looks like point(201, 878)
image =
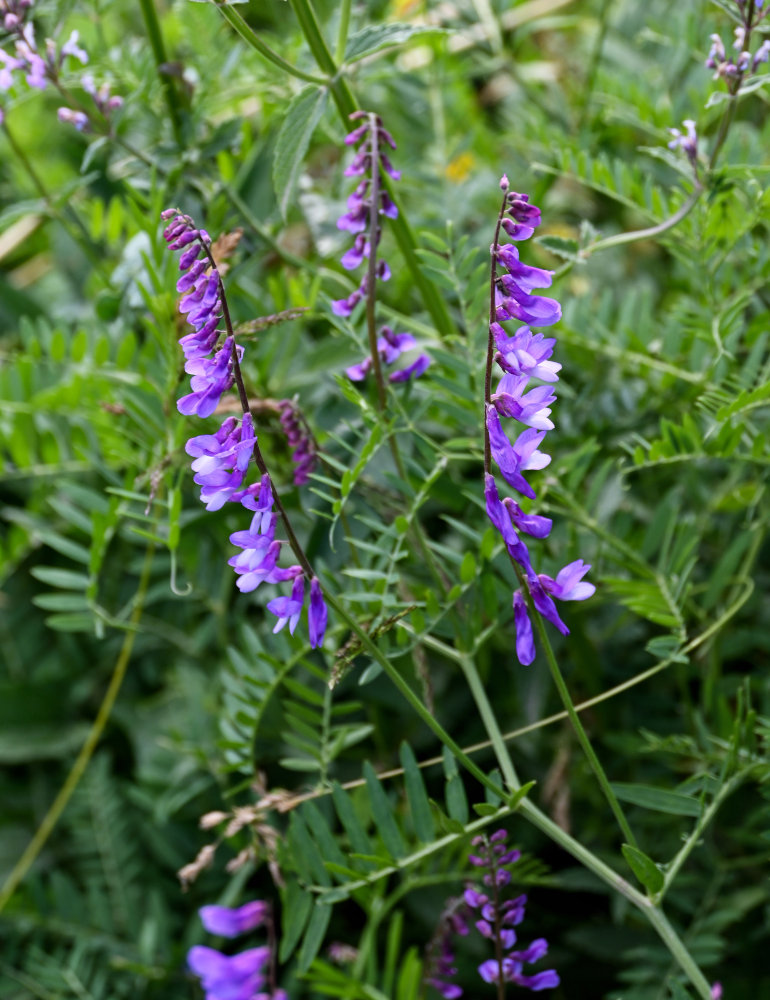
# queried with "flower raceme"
point(495, 919)
point(39, 67)
point(221, 460)
point(523, 356)
point(369, 162)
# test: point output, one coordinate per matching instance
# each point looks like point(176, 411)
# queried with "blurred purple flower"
point(227, 922)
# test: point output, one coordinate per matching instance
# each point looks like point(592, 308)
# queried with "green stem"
point(342, 31)
point(577, 725)
point(708, 814)
point(155, 35)
point(411, 696)
point(59, 804)
point(234, 19)
point(678, 950)
point(489, 719)
point(646, 234)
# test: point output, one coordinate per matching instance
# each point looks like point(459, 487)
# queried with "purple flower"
point(317, 614)
point(288, 609)
point(229, 978)
point(687, 142)
point(500, 518)
point(417, 368)
point(525, 640)
point(390, 347)
point(525, 353)
point(532, 409)
point(211, 377)
point(569, 584)
point(517, 458)
point(227, 922)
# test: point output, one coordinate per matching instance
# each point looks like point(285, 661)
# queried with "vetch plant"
point(222, 459)
point(522, 357)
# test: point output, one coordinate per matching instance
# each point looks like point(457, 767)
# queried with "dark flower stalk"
point(523, 356)
point(222, 459)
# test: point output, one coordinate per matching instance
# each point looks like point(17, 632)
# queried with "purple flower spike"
point(230, 923)
point(523, 356)
point(317, 614)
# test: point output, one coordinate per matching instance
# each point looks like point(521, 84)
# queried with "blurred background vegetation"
point(658, 479)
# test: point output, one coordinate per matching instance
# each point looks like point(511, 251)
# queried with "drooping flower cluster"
point(300, 439)
point(391, 346)
point(221, 460)
point(234, 977)
point(496, 919)
point(523, 356)
point(440, 967)
point(368, 163)
point(40, 67)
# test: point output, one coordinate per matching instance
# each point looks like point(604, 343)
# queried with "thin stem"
point(342, 31)
point(371, 274)
point(59, 804)
point(703, 821)
point(650, 233)
point(491, 336)
point(155, 35)
point(488, 717)
point(577, 725)
point(498, 922)
point(678, 950)
point(235, 20)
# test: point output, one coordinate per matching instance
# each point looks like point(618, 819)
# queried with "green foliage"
point(340, 804)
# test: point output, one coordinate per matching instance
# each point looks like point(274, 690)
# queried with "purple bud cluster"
point(390, 347)
point(356, 219)
point(221, 460)
point(234, 977)
point(498, 917)
point(524, 356)
point(494, 918)
point(300, 439)
point(41, 67)
point(732, 70)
